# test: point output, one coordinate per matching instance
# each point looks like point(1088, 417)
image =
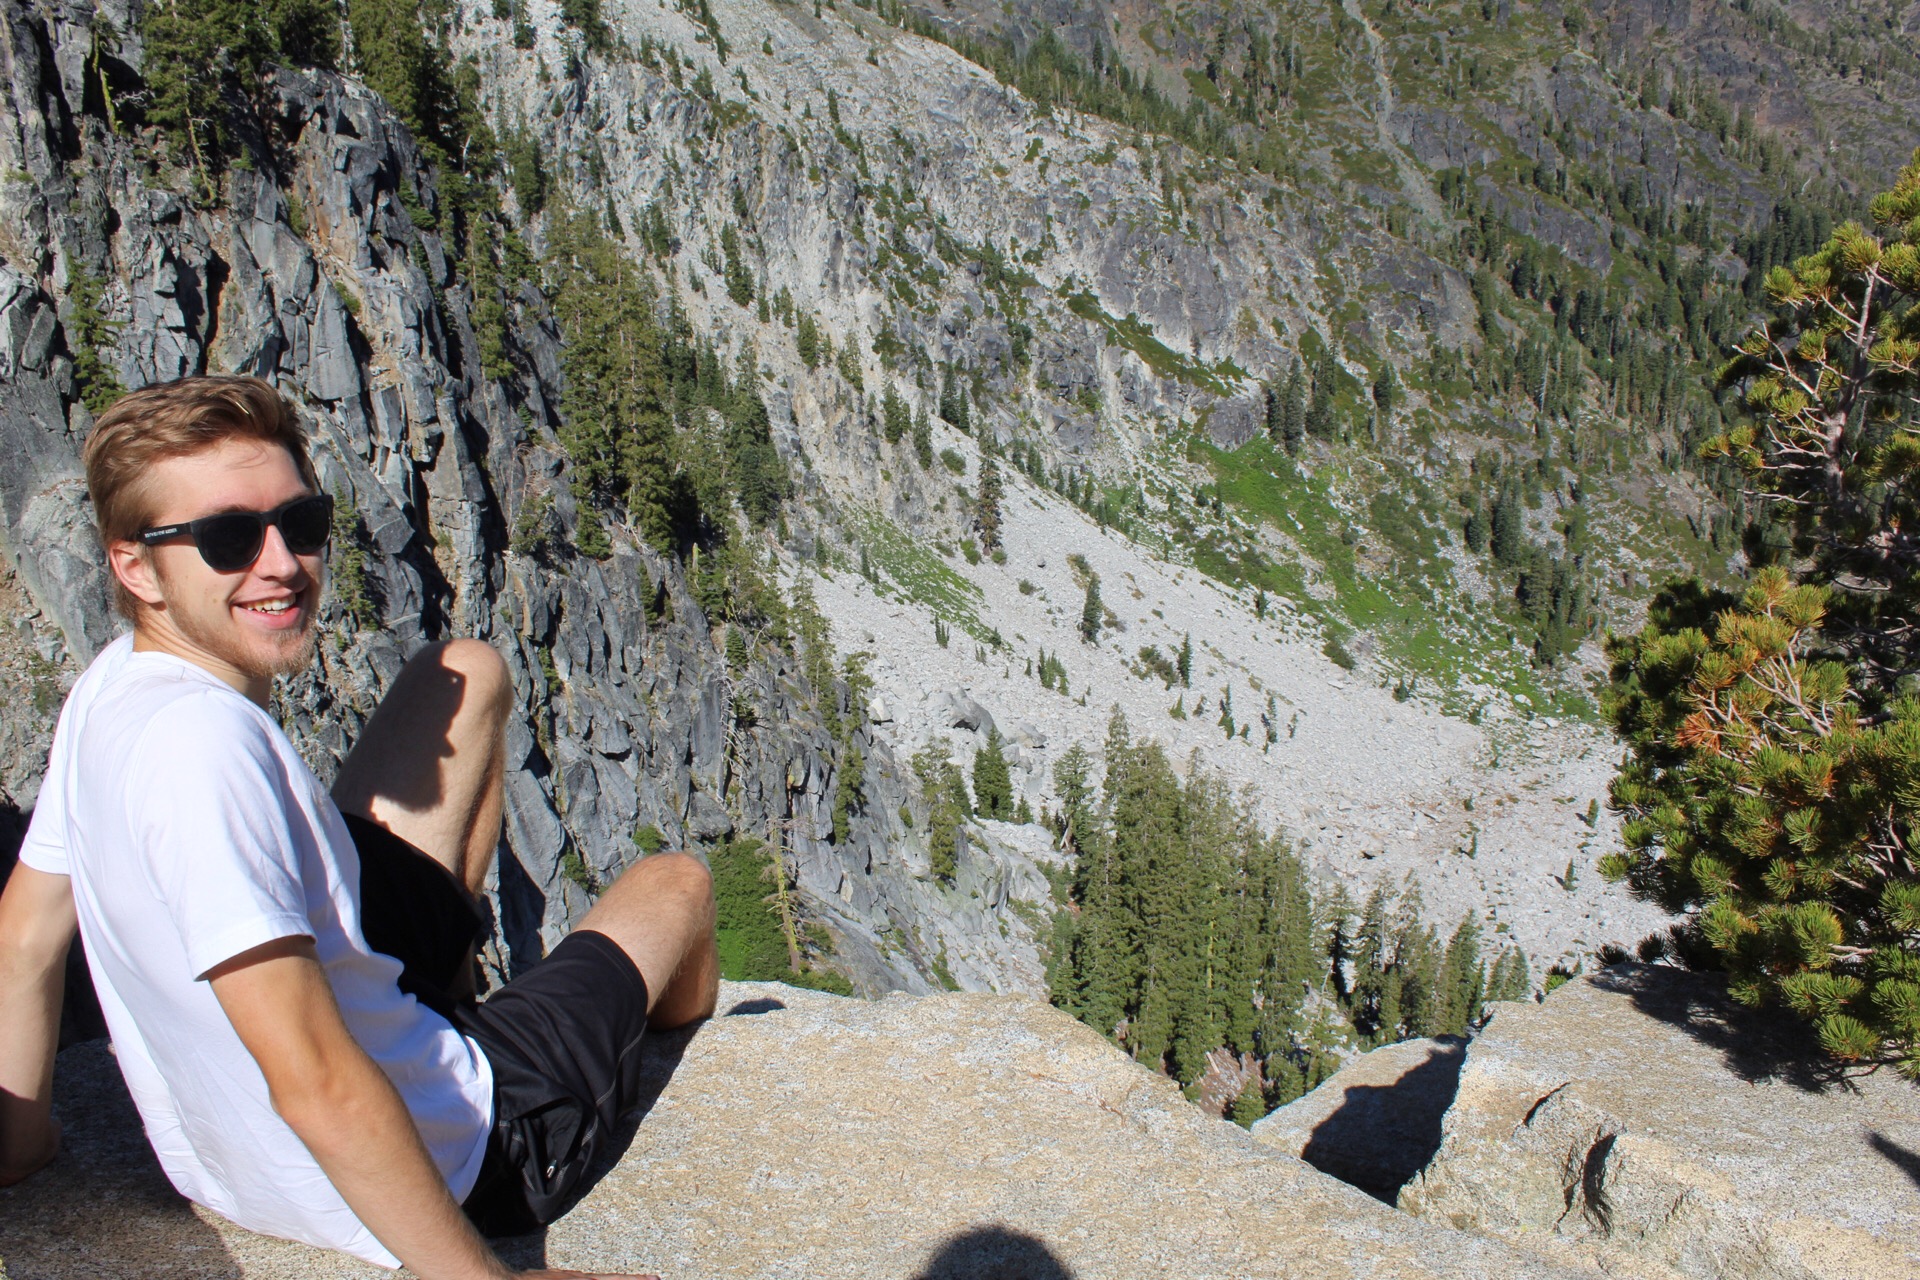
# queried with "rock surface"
point(1640, 1121)
point(1375, 1123)
point(808, 1135)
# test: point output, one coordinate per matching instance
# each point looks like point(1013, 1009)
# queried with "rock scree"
point(1640, 1121)
point(801, 1134)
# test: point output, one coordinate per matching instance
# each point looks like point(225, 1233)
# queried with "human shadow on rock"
point(104, 1207)
point(1383, 1135)
point(1755, 1044)
point(994, 1253)
point(1907, 1162)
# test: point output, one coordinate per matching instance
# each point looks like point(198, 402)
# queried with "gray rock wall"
point(355, 313)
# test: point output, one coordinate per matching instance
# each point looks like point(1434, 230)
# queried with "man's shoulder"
point(148, 702)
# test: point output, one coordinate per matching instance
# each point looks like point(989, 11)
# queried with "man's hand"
point(344, 1108)
point(36, 928)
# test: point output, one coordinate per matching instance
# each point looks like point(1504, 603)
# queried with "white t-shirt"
point(193, 831)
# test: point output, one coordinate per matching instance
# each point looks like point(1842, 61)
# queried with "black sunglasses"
point(231, 540)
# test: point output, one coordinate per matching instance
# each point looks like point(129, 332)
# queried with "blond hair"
point(172, 420)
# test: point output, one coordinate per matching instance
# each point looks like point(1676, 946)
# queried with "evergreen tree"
point(992, 781)
point(948, 807)
point(615, 425)
point(1773, 741)
point(1319, 420)
point(922, 439)
point(986, 515)
point(849, 797)
point(849, 366)
point(806, 341)
point(1092, 611)
point(1293, 409)
point(88, 333)
point(895, 418)
point(1184, 664)
point(205, 60)
point(1509, 527)
point(739, 279)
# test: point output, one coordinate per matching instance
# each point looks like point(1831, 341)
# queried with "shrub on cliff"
point(1773, 783)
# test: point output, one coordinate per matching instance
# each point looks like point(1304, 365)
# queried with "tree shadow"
point(994, 1253)
point(1908, 1162)
point(1756, 1045)
point(1381, 1136)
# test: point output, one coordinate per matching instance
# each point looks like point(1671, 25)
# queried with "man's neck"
point(152, 635)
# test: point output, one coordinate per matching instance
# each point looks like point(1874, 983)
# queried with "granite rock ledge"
point(801, 1134)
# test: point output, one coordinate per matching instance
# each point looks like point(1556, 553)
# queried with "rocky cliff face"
point(627, 720)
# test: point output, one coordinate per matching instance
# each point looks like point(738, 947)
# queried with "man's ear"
point(131, 564)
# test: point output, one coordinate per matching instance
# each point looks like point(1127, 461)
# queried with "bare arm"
point(342, 1106)
point(36, 928)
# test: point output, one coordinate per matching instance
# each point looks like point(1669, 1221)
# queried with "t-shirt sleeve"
point(45, 846)
point(215, 820)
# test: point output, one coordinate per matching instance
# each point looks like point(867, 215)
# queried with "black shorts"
point(563, 1039)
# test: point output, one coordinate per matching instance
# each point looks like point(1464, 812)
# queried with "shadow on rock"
point(994, 1253)
point(1381, 1136)
point(1908, 1162)
point(1755, 1044)
point(52, 1224)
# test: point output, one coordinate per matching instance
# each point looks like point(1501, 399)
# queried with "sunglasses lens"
point(307, 524)
point(229, 543)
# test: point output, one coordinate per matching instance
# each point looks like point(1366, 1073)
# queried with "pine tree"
point(806, 341)
point(895, 418)
point(1092, 611)
point(1319, 420)
point(992, 781)
point(986, 516)
point(849, 797)
point(1184, 664)
point(88, 333)
point(922, 439)
point(1509, 528)
point(1293, 409)
point(1772, 740)
point(614, 422)
point(739, 279)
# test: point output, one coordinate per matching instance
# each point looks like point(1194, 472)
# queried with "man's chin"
point(292, 655)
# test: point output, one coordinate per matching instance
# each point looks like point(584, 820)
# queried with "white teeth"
point(269, 606)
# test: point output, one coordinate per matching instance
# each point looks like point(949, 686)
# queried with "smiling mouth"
point(272, 608)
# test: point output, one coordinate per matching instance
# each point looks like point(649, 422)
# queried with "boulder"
point(801, 1134)
point(1374, 1123)
point(1640, 1121)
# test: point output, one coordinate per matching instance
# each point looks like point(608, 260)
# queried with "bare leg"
point(430, 766)
point(660, 912)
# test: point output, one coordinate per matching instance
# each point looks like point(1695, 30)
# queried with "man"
point(284, 973)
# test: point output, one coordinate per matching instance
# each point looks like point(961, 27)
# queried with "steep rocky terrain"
point(1117, 309)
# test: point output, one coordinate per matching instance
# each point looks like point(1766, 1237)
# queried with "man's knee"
point(485, 683)
point(675, 873)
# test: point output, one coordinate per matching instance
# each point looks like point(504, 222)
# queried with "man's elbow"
point(320, 1099)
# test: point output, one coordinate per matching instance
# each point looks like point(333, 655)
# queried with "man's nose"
point(275, 560)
